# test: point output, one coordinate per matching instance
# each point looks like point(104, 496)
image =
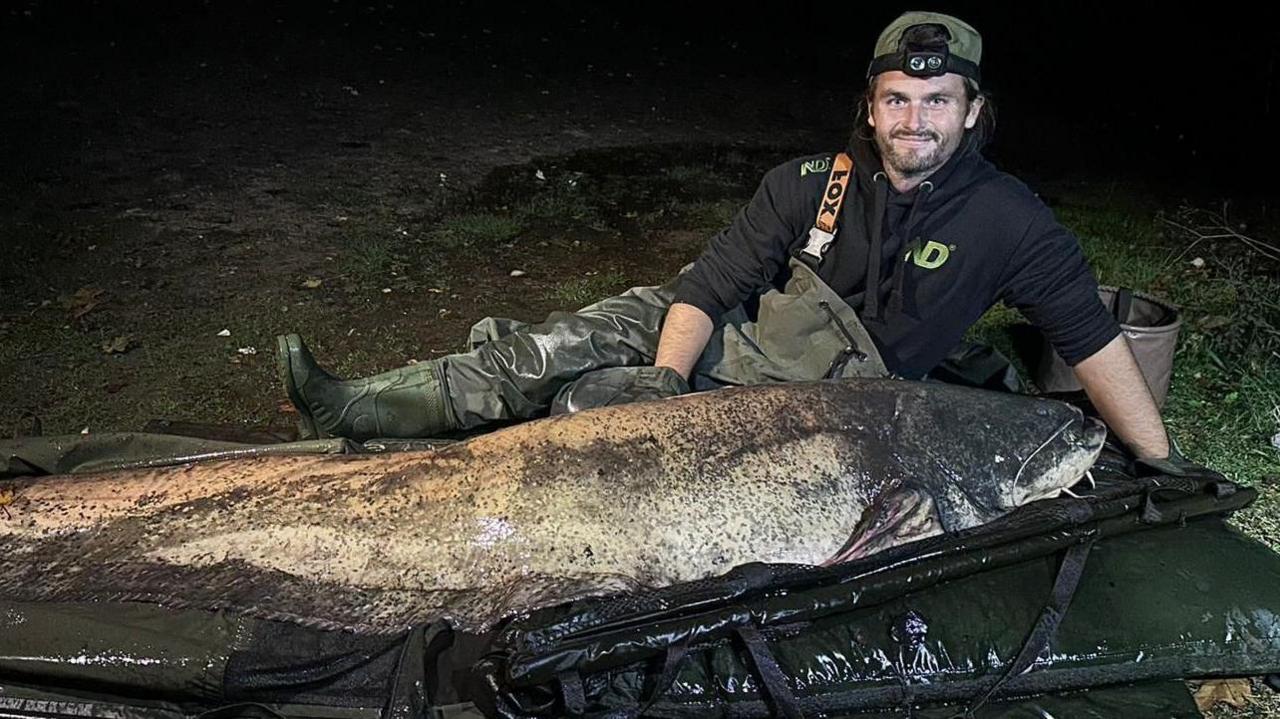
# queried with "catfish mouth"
point(1059, 462)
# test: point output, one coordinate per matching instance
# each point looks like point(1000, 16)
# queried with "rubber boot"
point(407, 402)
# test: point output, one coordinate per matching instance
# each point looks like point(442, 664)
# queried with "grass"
point(374, 248)
point(705, 215)
point(582, 291)
point(468, 230)
point(562, 202)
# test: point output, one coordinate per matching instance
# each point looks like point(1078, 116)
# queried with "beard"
point(909, 161)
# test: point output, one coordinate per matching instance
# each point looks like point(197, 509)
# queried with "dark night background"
point(1141, 91)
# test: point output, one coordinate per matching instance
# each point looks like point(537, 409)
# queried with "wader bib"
point(803, 332)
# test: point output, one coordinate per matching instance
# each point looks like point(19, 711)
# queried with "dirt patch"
point(112, 319)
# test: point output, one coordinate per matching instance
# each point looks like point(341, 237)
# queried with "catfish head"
point(964, 457)
point(1037, 448)
point(1059, 462)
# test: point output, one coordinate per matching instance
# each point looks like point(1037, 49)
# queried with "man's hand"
point(618, 385)
point(1118, 390)
point(684, 335)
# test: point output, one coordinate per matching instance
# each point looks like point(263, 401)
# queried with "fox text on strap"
point(824, 227)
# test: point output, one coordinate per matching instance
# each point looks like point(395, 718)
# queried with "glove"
point(1175, 465)
point(618, 385)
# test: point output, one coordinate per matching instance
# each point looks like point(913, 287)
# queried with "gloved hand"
point(1175, 465)
point(618, 385)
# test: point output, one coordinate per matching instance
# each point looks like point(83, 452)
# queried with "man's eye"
point(939, 100)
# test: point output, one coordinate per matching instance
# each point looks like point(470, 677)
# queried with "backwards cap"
point(960, 54)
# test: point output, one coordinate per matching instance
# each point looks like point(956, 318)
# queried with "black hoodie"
point(949, 249)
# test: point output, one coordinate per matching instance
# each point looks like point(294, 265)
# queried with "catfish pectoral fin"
point(897, 517)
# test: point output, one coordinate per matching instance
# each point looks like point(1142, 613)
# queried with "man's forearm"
point(1117, 389)
point(684, 335)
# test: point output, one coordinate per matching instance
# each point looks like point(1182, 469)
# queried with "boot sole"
point(307, 428)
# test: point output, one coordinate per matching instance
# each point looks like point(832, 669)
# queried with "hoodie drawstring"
point(871, 301)
point(879, 207)
point(913, 244)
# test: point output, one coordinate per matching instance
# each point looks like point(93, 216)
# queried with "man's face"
point(919, 121)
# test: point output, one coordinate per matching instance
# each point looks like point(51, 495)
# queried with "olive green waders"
point(570, 361)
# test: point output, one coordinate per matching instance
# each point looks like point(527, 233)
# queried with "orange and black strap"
point(824, 226)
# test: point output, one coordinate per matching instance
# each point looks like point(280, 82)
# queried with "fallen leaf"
point(119, 345)
point(1213, 322)
point(225, 333)
point(518, 273)
point(312, 282)
point(248, 350)
point(1235, 692)
point(83, 301)
point(286, 407)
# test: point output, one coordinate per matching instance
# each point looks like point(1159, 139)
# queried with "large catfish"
point(626, 497)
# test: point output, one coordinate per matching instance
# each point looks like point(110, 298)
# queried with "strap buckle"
point(819, 241)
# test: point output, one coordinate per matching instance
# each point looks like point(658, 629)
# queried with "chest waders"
point(571, 360)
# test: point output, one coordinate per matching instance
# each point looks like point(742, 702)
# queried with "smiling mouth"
point(915, 140)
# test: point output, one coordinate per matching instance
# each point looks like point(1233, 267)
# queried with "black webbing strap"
point(773, 680)
point(242, 710)
point(575, 697)
point(1064, 588)
point(670, 667)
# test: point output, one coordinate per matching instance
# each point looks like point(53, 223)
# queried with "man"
point(871, 263)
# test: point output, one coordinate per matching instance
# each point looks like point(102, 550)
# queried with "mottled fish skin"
point(641, 495)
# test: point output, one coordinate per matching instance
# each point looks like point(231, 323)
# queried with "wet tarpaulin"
point(130, 659)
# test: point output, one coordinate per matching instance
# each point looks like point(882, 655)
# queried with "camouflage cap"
point(961, 53)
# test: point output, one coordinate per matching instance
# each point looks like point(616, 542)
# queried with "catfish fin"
point(901, 515)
